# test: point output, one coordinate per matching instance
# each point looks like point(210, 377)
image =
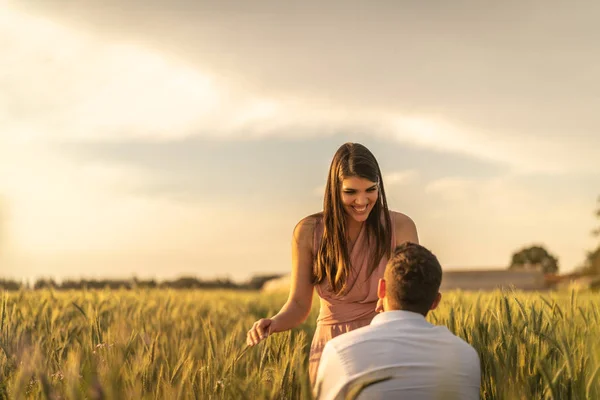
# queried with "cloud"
point(90, 89)
point(398, 178)
point(451, 189)
point(500, 196)
point(100, 86)
point(85, 89)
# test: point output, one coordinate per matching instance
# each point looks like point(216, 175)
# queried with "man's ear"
point(436, 302)
point(381, 288)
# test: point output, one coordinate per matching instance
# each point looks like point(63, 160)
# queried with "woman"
point(342, 252)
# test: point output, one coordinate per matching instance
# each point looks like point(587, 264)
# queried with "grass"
point(166, 344)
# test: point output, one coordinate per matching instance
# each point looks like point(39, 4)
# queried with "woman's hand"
point(260, 330)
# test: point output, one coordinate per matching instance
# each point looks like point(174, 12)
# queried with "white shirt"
point(424, 361)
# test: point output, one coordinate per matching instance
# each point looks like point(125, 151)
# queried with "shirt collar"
point(396, 315)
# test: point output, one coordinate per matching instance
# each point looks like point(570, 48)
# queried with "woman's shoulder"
point(305, 228)
point(400, 218)
point(310, 220)
point(404, 226)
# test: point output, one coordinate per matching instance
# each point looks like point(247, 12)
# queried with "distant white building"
point(492, 279)
point(576, 281)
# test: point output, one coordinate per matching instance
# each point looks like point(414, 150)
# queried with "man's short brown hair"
point(413, 276)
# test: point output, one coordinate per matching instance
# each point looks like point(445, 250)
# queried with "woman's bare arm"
point(297, 308)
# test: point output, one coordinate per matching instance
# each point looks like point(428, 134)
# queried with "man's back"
point(422, 361)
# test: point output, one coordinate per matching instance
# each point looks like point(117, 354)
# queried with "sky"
point(160, 139)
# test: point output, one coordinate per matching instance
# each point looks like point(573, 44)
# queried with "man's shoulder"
point(355, 341)
point(354, 338)
point(457, 339)
point(459, 343)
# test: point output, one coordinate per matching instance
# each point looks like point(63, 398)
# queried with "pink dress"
point(356, 308)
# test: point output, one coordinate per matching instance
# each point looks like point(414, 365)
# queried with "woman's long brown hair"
point(333, 259)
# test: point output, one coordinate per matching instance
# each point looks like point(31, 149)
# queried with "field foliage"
point(169, 344)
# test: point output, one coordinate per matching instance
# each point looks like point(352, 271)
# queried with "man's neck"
point(387, 308)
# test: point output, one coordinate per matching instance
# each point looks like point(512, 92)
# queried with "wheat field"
point(167, 344)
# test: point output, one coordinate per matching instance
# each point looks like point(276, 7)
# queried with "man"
point(400, 355)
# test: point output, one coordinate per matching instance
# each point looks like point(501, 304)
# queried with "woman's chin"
point(358, 217)
point(361, 218)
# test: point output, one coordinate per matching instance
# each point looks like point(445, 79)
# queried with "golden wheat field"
point(167, 344)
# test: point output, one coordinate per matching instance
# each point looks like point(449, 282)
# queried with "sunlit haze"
point(164, 139)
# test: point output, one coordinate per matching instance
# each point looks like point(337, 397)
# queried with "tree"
point(257, 281)
point(592, 262)
point(534, 257)
point(596, 232)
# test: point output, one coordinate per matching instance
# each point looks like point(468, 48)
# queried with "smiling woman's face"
point(358, 197)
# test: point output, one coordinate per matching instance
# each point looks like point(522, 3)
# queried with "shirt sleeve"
point(331, 374)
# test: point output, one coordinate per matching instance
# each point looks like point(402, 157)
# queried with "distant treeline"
point(255, 283)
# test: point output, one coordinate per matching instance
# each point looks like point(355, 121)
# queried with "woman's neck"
point(353, 228)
